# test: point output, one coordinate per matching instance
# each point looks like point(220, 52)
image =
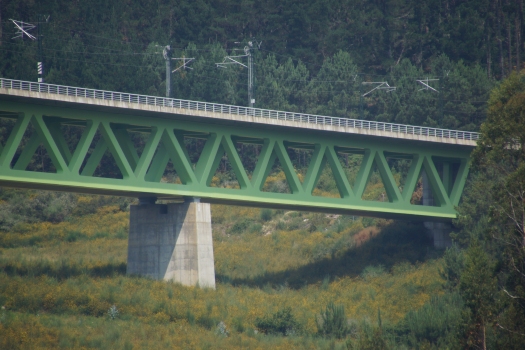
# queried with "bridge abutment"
point(172, 242)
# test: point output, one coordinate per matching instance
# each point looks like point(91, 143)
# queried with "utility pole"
point(40, 39)
point(361, 104)
point(39, 65)
point(251, 97)
point(251, 72)
point(166, 54)
point(23, 29)
point(441, 87)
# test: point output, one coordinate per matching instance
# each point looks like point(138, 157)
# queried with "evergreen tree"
point(502, 149)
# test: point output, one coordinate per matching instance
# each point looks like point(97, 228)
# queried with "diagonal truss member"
point(141, 172)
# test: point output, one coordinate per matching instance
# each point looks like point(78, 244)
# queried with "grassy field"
point(63, 285)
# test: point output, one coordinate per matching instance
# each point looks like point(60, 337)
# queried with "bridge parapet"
point(230, 112)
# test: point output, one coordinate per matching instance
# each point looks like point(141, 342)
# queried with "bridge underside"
point(63, 147)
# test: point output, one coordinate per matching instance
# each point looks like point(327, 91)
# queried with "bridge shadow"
point(61, 270)
point(396, 243)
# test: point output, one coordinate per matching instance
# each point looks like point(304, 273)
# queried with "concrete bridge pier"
point(172, 242)
point(439, 231)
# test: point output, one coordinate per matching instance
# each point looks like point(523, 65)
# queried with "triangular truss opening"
point(99, 161)
point(300, 155)
point(169, 175)
point(41, 162)
point(437, 179)
point(169, 163)
point(108, 167)
point(448, 169)
point(16, 162)
point(131, 138)
point(326, 184)
point(32, 154)
point(7, 124)
point(416, 197)
point(66, 134)
point(194, 143)
point(161, 168)
point(224, 175)
point(399, 164)
point(249, 149)
point(276, 181)
point(351, 160)
point(375, 187)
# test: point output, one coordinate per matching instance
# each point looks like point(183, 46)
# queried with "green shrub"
point(280, 323)
point(332, 322)
point(241, 226)
point(280, 225)
point(402, 267)
point(190, 317)
point(266, 214)
point(436, 321)
point(207, 321)
point(372, 271)
point(255, 227)
point(369, 339)
point(238, 324)
point(367, 222)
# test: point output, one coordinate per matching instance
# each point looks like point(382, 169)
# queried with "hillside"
point(59, 281)
point(285, 279)
point(313, 57)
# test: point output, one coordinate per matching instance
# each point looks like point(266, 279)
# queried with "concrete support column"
point(172, 242)
point(439, 231)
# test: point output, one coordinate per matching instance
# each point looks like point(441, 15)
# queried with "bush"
point(372, 271)
point(280, 323)
point(436, 321)
point(369, 339)
point(332, 322)
point(280, 226)
point(266, 214)
point(207, 321)
point(241, 226)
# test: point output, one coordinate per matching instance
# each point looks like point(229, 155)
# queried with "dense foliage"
point(313, 56)
point(490, 274)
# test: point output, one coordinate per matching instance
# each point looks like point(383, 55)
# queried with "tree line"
point(314, 56)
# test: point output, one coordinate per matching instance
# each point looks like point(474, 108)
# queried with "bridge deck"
point(225, 113)
point(41, 115)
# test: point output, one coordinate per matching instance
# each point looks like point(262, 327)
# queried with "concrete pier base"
point(439, 231)
point(172, 242)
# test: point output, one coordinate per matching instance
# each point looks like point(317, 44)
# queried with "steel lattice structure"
point(106, 128)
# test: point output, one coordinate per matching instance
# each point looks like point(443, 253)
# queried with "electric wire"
point(239, 72)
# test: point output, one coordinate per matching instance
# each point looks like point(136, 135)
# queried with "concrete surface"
point(172, 242)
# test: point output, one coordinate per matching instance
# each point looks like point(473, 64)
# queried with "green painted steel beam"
point(108, 132)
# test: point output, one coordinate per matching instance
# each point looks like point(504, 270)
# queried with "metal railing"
point(236, 110)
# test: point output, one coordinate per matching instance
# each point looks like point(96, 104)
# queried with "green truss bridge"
point(72, 131)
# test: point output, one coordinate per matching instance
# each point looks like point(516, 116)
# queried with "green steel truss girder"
point(142, 174)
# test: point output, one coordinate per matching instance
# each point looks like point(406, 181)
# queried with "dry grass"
point(57, 292)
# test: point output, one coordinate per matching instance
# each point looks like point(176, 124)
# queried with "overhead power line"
point(228, 60)
point(23, 29)
point(425, 83)
point(381, 85)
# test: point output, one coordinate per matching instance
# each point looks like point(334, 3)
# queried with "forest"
point(286, 279)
